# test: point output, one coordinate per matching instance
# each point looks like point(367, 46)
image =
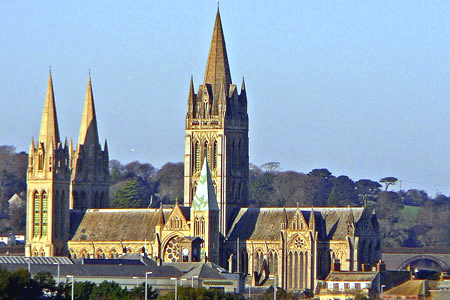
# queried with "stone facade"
point(217, 129)
point(60, 178)
point(297, 245)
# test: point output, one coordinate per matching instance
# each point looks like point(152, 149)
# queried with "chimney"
point(381, 266)
point(336, 265)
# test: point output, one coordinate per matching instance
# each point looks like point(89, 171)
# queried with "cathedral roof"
point(49, 126)
point(118, 224)
point(265, 223)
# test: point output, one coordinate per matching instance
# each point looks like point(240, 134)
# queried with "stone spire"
point(49, 126)
point(88, 129)
point(205, 195)
point(217, 68)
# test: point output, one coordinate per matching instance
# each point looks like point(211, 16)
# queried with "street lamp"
point(29, 264)
point(382, 289)
point(146, 274)
point(249, 294)
point(176, 286)
point(183, 279)
point(59, 267)
point(195, 276)
point(73, 285)
point(274, 286)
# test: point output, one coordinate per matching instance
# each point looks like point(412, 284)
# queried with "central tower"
point(217, 129)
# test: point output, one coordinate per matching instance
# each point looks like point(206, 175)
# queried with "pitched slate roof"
point(351, 276)
point(265, 223)
point(118, 224)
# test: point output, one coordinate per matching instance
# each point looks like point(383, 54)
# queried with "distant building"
point(346, 285)
point(68, 192)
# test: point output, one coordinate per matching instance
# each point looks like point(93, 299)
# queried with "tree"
point(367, 190)
point(324, 173)
point(388, 181)
point(129, 196)
point(170, 182)
point(343, 192)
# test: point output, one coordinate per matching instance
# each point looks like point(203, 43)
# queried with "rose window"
point(173, 251)
point(299, 243)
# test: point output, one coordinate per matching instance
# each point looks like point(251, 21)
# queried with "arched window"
point(35, 252)
point(44, 213)
point(42, 252)
point(203, 226)
point(207, 152)
point(259, 260)
point(197, 227)
point(273, 262)
point(197, 157)
point(37, 214)
point(41, 161)
point(100, 254)
point(113, 253)
point(216, 150)
point(244, 262)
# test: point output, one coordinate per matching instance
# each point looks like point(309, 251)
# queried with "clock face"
point(185, 251)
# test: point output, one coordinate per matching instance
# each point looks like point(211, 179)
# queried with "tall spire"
point(49, 125)
point(217, 68)
point(88, 129)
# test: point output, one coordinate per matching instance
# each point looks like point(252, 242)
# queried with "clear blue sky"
point(359, 87)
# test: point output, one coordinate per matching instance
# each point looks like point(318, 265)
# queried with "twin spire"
point(49, 126)
point(88, 129)
point(49, 133)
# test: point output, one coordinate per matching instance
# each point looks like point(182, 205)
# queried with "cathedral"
point(68, 214)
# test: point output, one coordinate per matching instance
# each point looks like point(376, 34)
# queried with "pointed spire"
point(191, 98)
point(88, 129)
point(217, 67)
point(105, 148)
point(205, 195)
point(243, 84)
point(312, 219)
point(161, 220)
point(49, 125)
point(32, 146)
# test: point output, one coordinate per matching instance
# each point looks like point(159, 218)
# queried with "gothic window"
point(197, 227)
point(238, 156)
point(44, 213)
point(56, 213)
point(41, 161)
point(37, 214)
point(273, 262)
point(35, 252)
point(42, 252)
point(100, 254)
point(216, 148)
point(207, 152)
point(259, 257)
point(203, 226)
point(197, 157)
point(172, 251)
point(113, 253)
point(290, 269)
